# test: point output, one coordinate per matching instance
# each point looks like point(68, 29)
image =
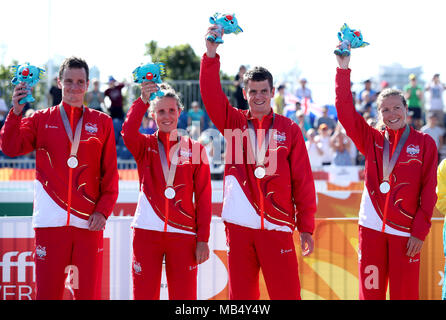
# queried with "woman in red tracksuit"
point(173, 214)
point(399, 194)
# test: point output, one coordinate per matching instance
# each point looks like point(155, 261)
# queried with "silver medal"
point(72, 162)
point(259, 172)
point(169, 193)
point(384, 187)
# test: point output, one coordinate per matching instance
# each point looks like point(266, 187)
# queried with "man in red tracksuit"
point(173, 215)
point(397, 203)
point(76, 183)
point(268, 187)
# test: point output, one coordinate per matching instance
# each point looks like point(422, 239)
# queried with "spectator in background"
point(207, 143)
point(314, 149)
point(302, 121)
point(409, 120)
point(367, 97)
point(54, 94)
point(414, 96)
point(304, 93)
point(195, 120)
point(214, 155)
point(384, 85)
point(290, 110)
point(207, 123)
point(341, 144)
point(148, 125)
point(367, 116)
point(371, 121)
point(195, 114)
point(240, 101)
point(95, 98)
point(326, 118)
point(279, 100)
point(435, 131)
point(114, 93)
point(116, 108)
point(354, 95)
point(323, 137)
point(435, 98)
point(182, 120)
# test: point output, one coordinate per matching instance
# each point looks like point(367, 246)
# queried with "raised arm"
point(355, 125)
point(133, 139)
point(217, 105)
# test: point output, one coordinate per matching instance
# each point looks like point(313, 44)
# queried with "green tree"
point(182, 71)
point(180, 61)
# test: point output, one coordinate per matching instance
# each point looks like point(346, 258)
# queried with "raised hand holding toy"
point(225, 22)
point(150, 72)
point(28, 74)
point(350, 39)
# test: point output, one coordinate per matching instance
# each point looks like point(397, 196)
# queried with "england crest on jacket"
point(91, 128)
point(280, 137)
point(413, 150)
point(41, 252)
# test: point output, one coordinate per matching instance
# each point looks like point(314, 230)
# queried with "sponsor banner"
point(17, 268)
point(17, 276)
point(329, 273)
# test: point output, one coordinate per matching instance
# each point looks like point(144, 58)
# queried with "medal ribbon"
point(169, 172)
point(74, 148)
point(259, 156)
point(388, 166)
point(77, 135)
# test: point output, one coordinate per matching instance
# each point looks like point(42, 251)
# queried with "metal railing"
point(18, 163)
point(190, 90)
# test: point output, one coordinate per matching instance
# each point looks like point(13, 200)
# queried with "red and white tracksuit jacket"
point(190, 211)
point(167, 228)
point(94, 181)
point(285, 198)
point(413, 179)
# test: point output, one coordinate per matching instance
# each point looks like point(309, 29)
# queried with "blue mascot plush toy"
point(150, 72)
point(226, 22)
point(30, 75)
point(349, 37)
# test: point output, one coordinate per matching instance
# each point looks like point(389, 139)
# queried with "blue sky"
point(284, 36)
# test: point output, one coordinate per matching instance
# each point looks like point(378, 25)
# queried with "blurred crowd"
point(325, 138)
